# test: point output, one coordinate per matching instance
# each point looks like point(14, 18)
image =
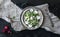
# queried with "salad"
point(31, 18)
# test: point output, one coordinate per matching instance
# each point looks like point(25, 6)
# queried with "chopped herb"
point(13, 17)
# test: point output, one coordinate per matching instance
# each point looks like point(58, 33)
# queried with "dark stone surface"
point(54, 5)
point(54, 8)
point(26, 33)
point(2, 24)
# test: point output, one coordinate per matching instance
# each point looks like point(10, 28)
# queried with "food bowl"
point(32, 18)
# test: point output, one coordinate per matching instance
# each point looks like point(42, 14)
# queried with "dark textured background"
point(54, 7)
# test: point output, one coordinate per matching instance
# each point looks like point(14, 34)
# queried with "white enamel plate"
point(32, 18)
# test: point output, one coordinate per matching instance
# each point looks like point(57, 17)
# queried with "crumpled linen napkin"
point(1, 1)
point(9, 8)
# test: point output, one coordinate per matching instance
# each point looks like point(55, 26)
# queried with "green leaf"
point(13, 17)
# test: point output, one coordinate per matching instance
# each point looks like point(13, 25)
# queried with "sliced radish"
point(31, 18)
point(26, 22)
point(35, 12)
point(31, 10)
point(30, 25)
point(38, 17)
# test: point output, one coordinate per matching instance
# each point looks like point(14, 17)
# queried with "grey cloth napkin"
point(51, 22)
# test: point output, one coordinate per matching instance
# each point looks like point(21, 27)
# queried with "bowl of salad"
point(32, 18)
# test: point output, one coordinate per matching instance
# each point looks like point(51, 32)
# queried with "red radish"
point(3, 30)
point(6, 27)
point(9, 31)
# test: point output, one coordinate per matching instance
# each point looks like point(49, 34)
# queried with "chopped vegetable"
point(31, 18)
point(31, 10)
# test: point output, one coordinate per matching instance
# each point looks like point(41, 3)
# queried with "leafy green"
point(33, 22)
